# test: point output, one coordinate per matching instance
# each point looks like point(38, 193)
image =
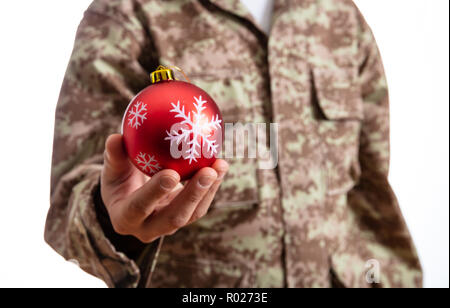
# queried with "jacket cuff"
point(115, 253)
point(74, 230)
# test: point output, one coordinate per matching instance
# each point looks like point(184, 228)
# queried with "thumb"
point(116, 165)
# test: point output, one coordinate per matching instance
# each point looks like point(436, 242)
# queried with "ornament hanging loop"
point(163, 73)
point(181, 71)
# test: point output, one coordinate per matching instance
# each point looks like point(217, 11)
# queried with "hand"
point(148, 208)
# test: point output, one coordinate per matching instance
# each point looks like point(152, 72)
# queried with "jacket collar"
point(235, 7)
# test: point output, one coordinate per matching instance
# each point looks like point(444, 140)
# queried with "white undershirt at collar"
point(261, 11)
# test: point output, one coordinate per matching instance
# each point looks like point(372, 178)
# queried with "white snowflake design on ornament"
point(148, 163)
point(198, 125)
point(137, 115)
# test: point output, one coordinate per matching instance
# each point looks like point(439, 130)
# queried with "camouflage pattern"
point(314, 221)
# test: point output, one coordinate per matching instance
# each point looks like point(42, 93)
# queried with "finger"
point(144, 200)
point(178, 213)
point(116, 165)
point(221, 168)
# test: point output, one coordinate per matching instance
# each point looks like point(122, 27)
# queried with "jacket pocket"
point(340, 112)
point(338, 93)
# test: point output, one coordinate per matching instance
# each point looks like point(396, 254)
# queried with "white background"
point(36, 39)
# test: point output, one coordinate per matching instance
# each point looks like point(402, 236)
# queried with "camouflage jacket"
point(319, 219)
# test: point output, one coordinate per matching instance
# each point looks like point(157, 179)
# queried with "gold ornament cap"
point(162, 73)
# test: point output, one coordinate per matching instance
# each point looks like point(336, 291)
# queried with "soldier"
point(325, 217)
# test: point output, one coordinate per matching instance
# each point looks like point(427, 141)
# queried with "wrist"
point(127, 244)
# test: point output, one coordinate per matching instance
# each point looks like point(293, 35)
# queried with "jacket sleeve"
point(105, 71)
point(373, 199)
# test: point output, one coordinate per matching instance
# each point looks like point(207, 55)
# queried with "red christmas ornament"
point(172, 125)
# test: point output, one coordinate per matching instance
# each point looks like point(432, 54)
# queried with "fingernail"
point(221, 174)
point(205, 181)
point(167, 182)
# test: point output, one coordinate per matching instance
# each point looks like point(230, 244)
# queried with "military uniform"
point(314, 221)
